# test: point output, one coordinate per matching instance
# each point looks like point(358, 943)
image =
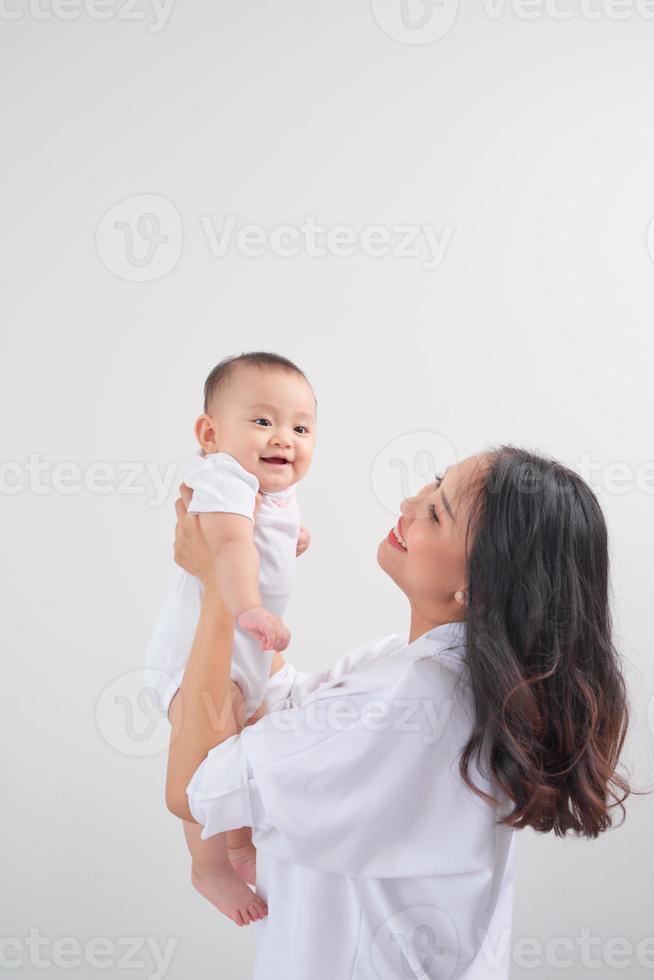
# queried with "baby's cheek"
point(302, 465)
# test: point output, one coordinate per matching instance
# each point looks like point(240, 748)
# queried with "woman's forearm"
point(201, 712)
point(237, 575)
point(230, 538)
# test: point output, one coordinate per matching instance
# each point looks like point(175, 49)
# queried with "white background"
point(532, 140)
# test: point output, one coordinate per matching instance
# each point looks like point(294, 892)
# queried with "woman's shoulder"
point(436, 656)
point(386, 671)
point(374, 669)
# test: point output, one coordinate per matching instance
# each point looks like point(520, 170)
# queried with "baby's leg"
point(214, 878)
point(212, 874)
point(241, 851)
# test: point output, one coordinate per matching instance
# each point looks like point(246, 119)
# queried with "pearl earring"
point(459, 596)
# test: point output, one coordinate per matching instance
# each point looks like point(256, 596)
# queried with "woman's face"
point(428, 563)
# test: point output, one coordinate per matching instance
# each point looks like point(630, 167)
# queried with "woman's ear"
point(206, 432)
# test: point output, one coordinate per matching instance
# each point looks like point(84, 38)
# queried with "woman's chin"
point(383, 556)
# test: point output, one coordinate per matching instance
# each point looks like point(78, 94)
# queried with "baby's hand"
point(268, 627)
point(303, 540)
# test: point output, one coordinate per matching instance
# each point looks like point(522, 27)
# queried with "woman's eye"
point(265, 421)
point(433, 514)
point(438, 478)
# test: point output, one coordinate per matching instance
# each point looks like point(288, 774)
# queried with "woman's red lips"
point(394, 543)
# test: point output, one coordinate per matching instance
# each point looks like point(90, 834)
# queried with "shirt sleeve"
point(289, 687)
point(220, 484)
point(219, 792)
point(354, 781)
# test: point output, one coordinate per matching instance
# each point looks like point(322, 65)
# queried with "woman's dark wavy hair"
point(551, 711)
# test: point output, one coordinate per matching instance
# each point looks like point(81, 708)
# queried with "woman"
point(383, 794)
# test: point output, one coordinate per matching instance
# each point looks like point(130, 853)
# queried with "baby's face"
point(267, 421)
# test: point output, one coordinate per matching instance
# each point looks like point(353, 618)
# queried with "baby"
point(256, 440)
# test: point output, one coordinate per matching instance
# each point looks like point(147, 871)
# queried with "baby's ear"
point(206, 432)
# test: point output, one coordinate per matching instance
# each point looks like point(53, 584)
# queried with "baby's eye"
point(301, 427)
point(265, 421)
point(433, 514)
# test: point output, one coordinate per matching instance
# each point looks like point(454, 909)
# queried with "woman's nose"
point(407, 506)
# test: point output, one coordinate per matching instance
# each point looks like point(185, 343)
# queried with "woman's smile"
point(395, 538)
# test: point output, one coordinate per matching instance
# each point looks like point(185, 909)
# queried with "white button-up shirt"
point(374, 858)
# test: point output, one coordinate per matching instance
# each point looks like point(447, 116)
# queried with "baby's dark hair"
point(220, 375)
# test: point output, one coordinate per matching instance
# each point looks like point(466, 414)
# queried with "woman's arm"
point(230, 538)
point(201, 713)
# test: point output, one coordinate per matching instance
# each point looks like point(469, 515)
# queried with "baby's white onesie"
point(220, 483)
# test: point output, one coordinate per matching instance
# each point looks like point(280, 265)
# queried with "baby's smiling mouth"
point(275, 460)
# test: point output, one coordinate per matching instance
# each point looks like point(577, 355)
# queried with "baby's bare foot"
point(243, 859)
point(223, 888)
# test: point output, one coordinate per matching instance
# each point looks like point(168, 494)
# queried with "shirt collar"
point(446, 640)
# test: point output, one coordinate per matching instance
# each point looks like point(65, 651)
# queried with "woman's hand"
point(191, 550)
